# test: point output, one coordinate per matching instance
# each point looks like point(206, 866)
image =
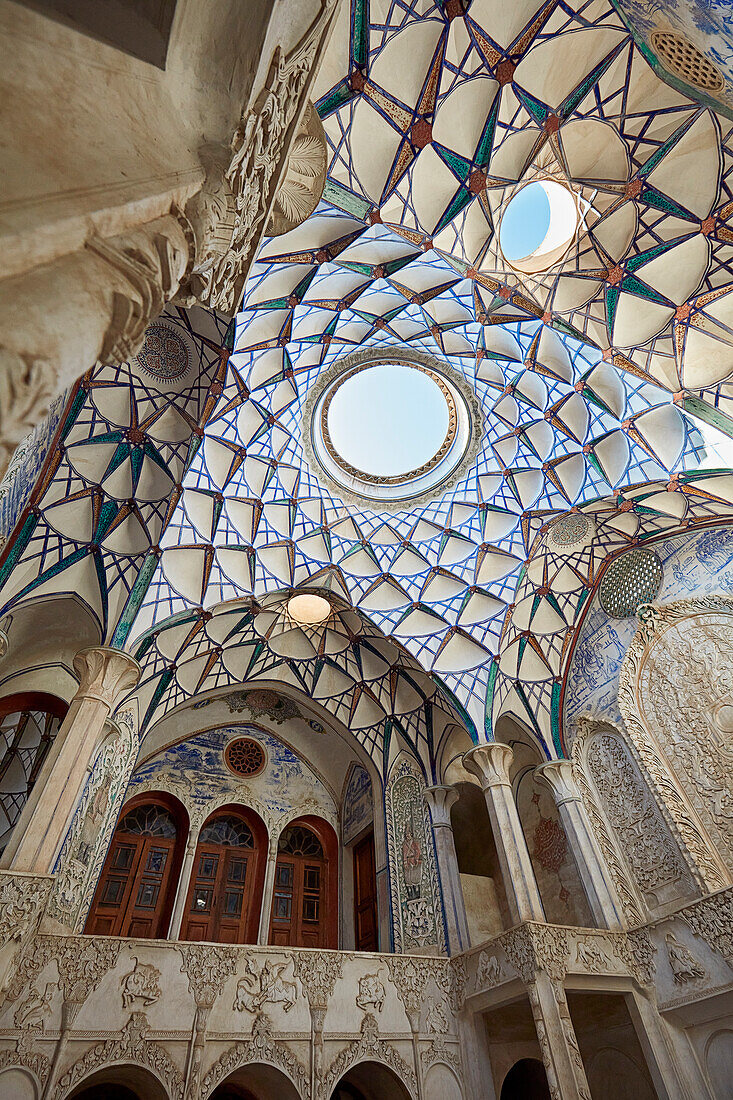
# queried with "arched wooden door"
point(134, 896)
point(225, 895)
point(304, 908)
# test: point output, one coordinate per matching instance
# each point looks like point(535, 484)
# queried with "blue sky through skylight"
point(525, 222)
point(388, 420)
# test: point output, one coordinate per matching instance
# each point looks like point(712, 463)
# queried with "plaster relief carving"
point(25, 1055)
point(22, 901)
point(36, 1006)
point(685, 967)
point(132, 1046)
point(207, 968)
point(592, 956)
point(142, 983)
point(490, 972)
point(28, 388)
point(368, 1047)
point(318, 972)
point(371, 992)
point(259, 1047)
point(265, 985)
point(712, 920)
point(305, 176)
point(675, 688)
point(436, 1020)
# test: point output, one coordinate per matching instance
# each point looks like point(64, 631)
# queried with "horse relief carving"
point(371, 992)
point(265, 985)
point(142, 983)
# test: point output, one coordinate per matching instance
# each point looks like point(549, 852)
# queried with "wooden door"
point(300, 901)
point(365, 895)
point(223, 903)
point(132, 898)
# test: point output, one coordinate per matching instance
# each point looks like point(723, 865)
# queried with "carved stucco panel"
point(676, 698)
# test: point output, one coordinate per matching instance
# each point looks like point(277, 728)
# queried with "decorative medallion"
point(164, 355)
point(245, 756)
point(632, 579)
point(570, 531)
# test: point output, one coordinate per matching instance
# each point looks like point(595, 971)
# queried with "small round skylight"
point(538, 225)
point(388, 420)
point(308, 609)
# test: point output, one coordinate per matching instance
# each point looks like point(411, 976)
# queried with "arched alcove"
point(370, 1081)
point(526, 1080)
point(553, 861)
point(19, 1084)
point(441, 1083)
point(224, 896)
point(719, 1061)
point(255, 1082)
point(120, 1082)
point(478, 865)
point(305, 898)
point(137, 886)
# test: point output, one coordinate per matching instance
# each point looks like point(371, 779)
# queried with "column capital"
point(440, 798)
point(105, 673)
point(558, 776)
point(490, 763)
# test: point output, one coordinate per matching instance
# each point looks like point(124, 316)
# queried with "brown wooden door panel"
point(365, 895)
point(224, 895)
point(300, 902)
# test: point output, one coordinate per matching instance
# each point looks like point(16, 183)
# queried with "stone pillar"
point(599, 889)
point(104, 674)
point(558, 1042)
point(184, 881)
point(491, 763)
point(439, 800)
point(268, 889)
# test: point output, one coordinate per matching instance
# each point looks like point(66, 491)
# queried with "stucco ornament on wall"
point(676, 678)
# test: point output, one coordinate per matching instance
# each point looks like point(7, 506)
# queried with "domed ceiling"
point(571, 379)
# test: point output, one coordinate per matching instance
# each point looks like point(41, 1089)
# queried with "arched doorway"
point(134, 896)
point(255, 1082)
point(526, 1080)
point(304, 904)
point(225, 894)
point(120, 1082)
point(370, 1081)
point(29, 722)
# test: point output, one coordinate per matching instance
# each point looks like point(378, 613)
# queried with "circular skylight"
point(387, 420)
point(538, 225)
point(308, 609)
point(390, 426)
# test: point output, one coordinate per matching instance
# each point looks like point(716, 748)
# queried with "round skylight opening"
point(308, 609)
point(387, 420)
point(538, 225)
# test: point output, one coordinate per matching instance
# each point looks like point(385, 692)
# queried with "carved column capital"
point(4, 643)
point(490, 763)
point(440, 799)
point(558, 776)
point(105, 673)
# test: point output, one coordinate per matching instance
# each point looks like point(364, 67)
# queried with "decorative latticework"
point(631, 580)
point(684, 60)
point(149, 820)
point(245, 756)
point(299, 841)
point(228, 830)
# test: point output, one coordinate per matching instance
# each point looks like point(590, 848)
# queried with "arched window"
point(304, 900)
point(136, 889)
point(29, 722)
point(225, 895)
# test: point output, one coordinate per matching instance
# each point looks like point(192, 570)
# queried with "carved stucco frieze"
point(247, 190)
point(105, 673)
point(207, 968)
point(318, 972)
point(533, 947)
point(674, 683)
point(23, 899)
point(410, 975)
point(368, 1047)
point(259, 1047)
point(711, 919)
point(28, 388)
point(133, 1045)
point(439, 1051)
point(28, 1057)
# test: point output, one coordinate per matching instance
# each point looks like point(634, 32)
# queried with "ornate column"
point(558, 1042)
point(599, 889)
point(184, 881)
point(439, 800)
point(491, 763)
point(268, 889)
point(104, 674)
